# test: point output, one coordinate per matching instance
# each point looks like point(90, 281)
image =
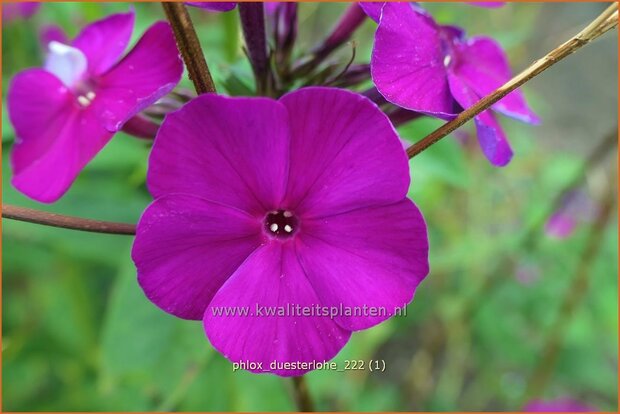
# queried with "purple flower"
point(566, 405)
point(424, 67)
point(22, 10)
point(215, 6)
point(576, 207)
point(373, 8)
point(66, 112)
point(264, 204)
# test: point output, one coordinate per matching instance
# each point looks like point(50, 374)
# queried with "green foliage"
point(79, 334)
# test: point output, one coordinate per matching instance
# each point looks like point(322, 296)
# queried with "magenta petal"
point(54, 140)
point(52, 33)
point(104, 41)
point(149, 71)
point(272, 278)
point(483, 65)
point(344, 153)
point(491, 137)
point(230, 150)
point(185, 249)
point(372, 9)
point(371, 257)
point(215, 6)
point(407, 63)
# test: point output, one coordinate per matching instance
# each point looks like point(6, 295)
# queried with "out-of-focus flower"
point(566, 405)
point(424, 67)
point(575, 208)
point(65, 112)
point(52, 33)
point(21, 10)
point(215, 6)
point(272, 206)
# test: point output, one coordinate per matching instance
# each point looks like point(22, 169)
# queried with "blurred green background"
point(78, 335)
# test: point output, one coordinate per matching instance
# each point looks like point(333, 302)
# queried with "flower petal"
point(187, 247)
point(407, 63)
point(104, 41)
point(221, 6)
point(149, 71)
point(371, 257)
point(54, 139)
point(66, 62)
point(372, 9)
point(491, 137)
point(271, 279)
point(345, 153)
point(229, 150)
point(483, 65)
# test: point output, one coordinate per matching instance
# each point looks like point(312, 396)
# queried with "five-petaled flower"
point(265, 203)
point(424, 67)
point(66, 112)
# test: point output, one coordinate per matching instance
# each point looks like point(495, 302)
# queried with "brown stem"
point(603, 23)
point(65, 222)
point(189, 46)
point(302, 395)
point(572, 298)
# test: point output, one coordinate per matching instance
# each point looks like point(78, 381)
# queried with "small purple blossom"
point(576, 207)
point(265, 203)
point(424, 67)
point(22, 10)
point(373, 8)
point(566, 405)
point(214, 6)
point(67, 111)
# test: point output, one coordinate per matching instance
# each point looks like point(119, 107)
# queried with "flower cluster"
point(298, 199)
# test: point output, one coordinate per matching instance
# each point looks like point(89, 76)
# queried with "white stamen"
point(288, 214)
point(90, 95)
point(273, 227)
point(288, 228)
point(83, 100)
point(447, 60)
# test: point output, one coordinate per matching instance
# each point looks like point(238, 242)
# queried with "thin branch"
point(603, 23)
point(572, 299)
point(302, 395)
point(65, 222)
point(189, 46)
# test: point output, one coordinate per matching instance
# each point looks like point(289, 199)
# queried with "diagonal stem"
point(189, 46)
point(603, 23)
point(65, 222)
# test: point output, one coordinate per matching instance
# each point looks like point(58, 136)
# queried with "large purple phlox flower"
point(265, 203)
point(424, 67)
point(65, 113)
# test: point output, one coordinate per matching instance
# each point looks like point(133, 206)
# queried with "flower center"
point(281, 224)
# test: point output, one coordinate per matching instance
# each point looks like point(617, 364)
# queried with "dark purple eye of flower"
point(282, 224)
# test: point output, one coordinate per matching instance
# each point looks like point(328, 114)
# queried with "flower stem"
point(573, 296)
point(66, 222)
point(253, 24)
point(603, 23)
point(189, 46)
point(302, 395)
